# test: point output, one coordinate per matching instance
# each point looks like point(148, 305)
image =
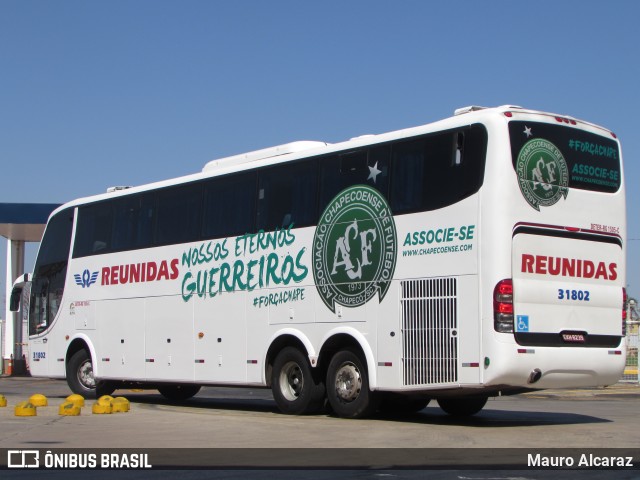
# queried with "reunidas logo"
point(542, 173)
point(354, 248)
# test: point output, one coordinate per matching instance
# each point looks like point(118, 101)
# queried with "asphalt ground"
point(235, 428)
point(618, 390)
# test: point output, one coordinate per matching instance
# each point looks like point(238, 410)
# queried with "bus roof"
point(299, 149)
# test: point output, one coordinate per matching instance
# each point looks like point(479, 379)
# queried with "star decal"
point(527, 131)
point(374, 172)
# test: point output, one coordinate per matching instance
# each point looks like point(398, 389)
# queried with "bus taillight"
point(503, 306)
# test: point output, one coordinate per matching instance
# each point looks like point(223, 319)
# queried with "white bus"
point(479, 255)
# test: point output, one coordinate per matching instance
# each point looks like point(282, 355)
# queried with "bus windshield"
point(557, 156)
point(50, 272)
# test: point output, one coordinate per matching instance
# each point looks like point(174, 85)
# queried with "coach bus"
point(480, 255)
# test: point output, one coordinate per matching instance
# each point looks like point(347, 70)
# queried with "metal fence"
point(631, 368)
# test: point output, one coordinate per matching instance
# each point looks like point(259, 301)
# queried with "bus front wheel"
point(348, 386)
point(80, 377)
point(294, 387)
point(462, 407)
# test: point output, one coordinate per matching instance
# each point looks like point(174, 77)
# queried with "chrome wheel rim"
point(348, 382)
point(85, 375)
point(291, 381)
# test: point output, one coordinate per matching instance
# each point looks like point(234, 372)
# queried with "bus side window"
point(133, 222)
point(408, 176)
point(287, 195)
point(179, 214)
point(359, 167)
point(437, 170)
point(93, 234)
point(229, 206)
point(459, 149)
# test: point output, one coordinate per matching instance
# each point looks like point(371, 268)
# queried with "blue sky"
point(95, 94)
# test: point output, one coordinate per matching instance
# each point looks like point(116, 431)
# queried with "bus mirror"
point(16, 291)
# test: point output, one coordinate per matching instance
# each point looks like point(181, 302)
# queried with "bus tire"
point(294, 387)
point(348, 386)
point(80, 377)
point(179, 393)
point(462, 407)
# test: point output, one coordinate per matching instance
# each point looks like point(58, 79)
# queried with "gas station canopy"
point(19, 223)
point(24, 221)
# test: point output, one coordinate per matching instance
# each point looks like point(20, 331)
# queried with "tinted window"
point(93, 232)
point(287, 195)
point(50, 272)
point(57, 239)
point(179, 214)
point(437, 170)
point(133, 222)
point(368, 166)
point(229, 205)
point(592, 161)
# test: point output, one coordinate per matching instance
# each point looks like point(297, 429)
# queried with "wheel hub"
point(85, 375)
point(348, 382)
point(291, 381)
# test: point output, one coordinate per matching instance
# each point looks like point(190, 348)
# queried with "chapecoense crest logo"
point(354, 248)
point(543, 175)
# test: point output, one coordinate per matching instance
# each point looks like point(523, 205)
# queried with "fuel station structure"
point(19, 223)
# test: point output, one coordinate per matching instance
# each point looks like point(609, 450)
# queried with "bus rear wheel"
point(80, 377)
point(348, 386)
point(179, 393)
point(462, 407)
point(294, 387)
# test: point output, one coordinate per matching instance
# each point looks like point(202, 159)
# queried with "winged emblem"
point(86, 279)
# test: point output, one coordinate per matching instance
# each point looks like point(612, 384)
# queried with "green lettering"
point(212, 282)
point(251, 276)
point(187, 288)
point(407, 240)
point(238, 270)
point(225, 272)
point(272, 265)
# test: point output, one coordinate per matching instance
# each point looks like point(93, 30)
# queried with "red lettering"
point(141, 272)
point(555, 264)
point(601, 272)
point(612, 271)
point(134, 273)
point(541, 264)
point(152, 270)
point(124, 273)
point(568, 267)
point(163, 271)
point(527, 263)
point(588, 269)
point(114, 275)
point(174, 269)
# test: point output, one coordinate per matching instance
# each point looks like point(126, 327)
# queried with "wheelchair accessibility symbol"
point(522, 323)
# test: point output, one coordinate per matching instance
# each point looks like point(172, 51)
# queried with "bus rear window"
point(592, 161)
